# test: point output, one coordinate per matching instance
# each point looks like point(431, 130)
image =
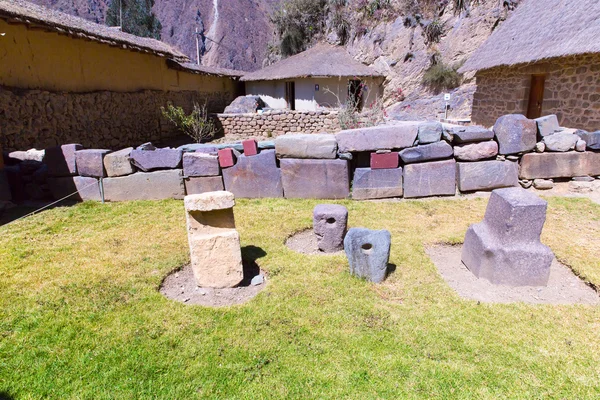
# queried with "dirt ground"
point(181, 286)
point(305, 242)
point(563, 287)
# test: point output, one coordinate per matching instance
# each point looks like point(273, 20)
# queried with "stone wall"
point(41, 119)
point(279, 122)
point(401, 159)
point(572, 91)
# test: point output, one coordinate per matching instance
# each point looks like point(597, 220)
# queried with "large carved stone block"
point(254, 176)
point(319, 146)
point(315, 179)
point(430, 179)
point(214, 242)
point(203, 184)
point(427, 152)
point(158, 185)
point(385, 137)
point(118, 163)
point(368, 253)
point(78, 188)
point(200, 164)
point(505, 248)
point(377, 183)
point(330, 222)
point(559, 165)
point(91, 162)
point(515, 133)
point(486, 175)
point(151, 160)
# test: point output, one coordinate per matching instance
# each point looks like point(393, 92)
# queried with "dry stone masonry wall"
point(399, 159)
point(277, 122)
point(41, 119)
point(571, 91)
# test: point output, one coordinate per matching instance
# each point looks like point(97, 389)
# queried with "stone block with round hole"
point(368, 253)
point(330, 222)
point(214, 242)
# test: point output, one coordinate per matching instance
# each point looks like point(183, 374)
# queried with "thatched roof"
point(539, 30)
point(19, 11)
point(323, 60)
point(203, 70)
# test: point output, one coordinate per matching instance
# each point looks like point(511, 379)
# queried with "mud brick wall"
point(275, 123)
point(41, 119)
point(572, 91)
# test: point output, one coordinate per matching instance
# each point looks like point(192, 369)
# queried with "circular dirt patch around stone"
point(564, 287)
point(305, 242)
point(180, 285)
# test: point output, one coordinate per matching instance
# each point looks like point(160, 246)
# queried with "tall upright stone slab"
point(315, 179)
point(330, 222)
point(254, 176)
point(377, 183)
point(214, 242)
point(61, 159)
point(505, 248)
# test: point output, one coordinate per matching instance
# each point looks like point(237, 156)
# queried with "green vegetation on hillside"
point(81, 316)
point(138, 18)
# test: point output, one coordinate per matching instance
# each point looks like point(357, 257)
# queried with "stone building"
point(545, 59)
point(322, 77)
point(64, 79)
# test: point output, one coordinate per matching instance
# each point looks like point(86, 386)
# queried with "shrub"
point(434, 30)
point(297, 23)
point(197, 125)
point(441, 76)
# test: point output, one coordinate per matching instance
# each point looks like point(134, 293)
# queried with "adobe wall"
point(104, 119)
point(572, 91)
point(278, 122)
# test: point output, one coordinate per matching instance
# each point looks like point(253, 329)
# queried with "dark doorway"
point(355, 94)
point(290, 95)
point(536, 96)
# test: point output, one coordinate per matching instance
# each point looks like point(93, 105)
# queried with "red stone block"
point(250, 147)
point(226, 158)
point(384, 161)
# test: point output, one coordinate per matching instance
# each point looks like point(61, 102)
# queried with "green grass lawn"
point(81, 316)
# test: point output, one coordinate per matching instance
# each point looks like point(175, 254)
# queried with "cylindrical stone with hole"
point(368, 253)
point(330, 223)
point(214, 242)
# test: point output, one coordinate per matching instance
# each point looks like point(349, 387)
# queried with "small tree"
point(197, 125)
point(138, 18)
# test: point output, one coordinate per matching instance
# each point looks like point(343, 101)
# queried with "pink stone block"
point(250, 147)
point(226, 158)
point(384, 161)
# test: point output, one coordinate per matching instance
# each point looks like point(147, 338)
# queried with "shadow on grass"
point(251, 269)
point(5, 396)
point(14, 213)
point(391, 268)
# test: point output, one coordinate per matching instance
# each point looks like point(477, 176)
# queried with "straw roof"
point(323, 60)
point(203, 70)
point(19, 11)
point(539, 30)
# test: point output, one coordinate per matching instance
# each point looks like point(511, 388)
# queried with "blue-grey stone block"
point(254, 176)
point(515, 134)
point(486, 175)
point(200, 164)
point(377, 183)
point(592, 139)
point(427, 152)
point(203, 184)
point(91, 162)
point(368, 253)
point(436, 178)
point(430, 132)
point(150, 160)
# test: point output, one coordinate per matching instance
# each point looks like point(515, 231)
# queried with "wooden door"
point(290, 95)
point(536, 96)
